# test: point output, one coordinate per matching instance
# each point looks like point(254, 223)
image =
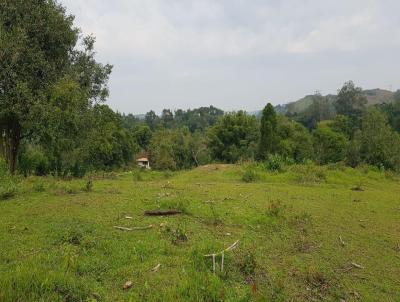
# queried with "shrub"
point(277, 163)
point(33, 162)
point(250, 175)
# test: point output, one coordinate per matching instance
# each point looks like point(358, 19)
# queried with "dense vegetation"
point(53, 119)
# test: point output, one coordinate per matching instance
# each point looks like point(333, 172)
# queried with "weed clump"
point(137, 175)
point(309, 174)
point(177, 235)
point(248, 264)
point(250, 175)
point(175, 205)
point(8, 189)
point(276, 208)
point(39, 186)
point(277, 163)
point(88, 186)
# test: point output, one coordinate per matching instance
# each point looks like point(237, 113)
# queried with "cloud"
point(232, 42)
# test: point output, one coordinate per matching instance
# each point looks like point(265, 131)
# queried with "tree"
point(167, 118)
point(235, 136)
point(142, 135)
point(152, 120)
point(329, 146)
point(351, 101)
point(342, 124)
point(379, 144)
point(321, 109)
point(34, 58)
point(295, 141)
point(268, 137)
point(175, 149)
point(392, 111)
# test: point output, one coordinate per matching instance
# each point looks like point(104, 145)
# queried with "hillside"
point(308, 234)
point(374, 97)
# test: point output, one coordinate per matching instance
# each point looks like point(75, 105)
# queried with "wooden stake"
point(213, 257)
point(222, 262)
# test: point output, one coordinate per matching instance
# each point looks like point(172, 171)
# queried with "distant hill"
point(374, 97)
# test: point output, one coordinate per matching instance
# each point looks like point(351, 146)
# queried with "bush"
point(33, 162)
point(277, 163)
point(250, 175)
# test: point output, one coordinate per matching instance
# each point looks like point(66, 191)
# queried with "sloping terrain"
point(374, 97)
point(307, 234)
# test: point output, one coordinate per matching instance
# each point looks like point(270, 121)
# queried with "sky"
point(239, 54)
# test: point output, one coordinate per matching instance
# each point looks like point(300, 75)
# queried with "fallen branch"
point(234, 245)
point(209, 201)
point(134, 228)
point(350, 267)
point(156, 268)
point(357, 265)
point(162, 212)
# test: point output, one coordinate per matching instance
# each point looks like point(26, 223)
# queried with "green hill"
point(374, 97)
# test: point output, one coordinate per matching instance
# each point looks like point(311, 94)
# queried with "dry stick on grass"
point(134, 228)
point(156, 268)
point(357, 265)
point(222, 253)
point(351, 266)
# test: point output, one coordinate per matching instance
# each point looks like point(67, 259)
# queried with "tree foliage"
point(43, 73)
point(329, 146)
point(350, 101)
point(268, 134)
point(235, 136)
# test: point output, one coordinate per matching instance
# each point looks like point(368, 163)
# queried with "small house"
point(143, 162)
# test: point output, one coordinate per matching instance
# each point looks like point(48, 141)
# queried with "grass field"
point(306, 234)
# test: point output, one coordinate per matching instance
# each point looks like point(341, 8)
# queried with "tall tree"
point(351, 101)
point(34, 57)
point(269, 138)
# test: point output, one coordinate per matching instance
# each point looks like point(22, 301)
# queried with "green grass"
point(57, 241)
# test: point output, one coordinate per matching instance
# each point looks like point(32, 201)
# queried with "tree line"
point(54, 120)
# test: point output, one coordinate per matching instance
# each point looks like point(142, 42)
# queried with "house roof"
point(142, 159)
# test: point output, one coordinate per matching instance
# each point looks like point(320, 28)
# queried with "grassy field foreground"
point(307, 234)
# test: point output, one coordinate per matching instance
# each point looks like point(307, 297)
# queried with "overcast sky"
point(239, 54)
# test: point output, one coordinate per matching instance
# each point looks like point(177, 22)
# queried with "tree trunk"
point(11, 137)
